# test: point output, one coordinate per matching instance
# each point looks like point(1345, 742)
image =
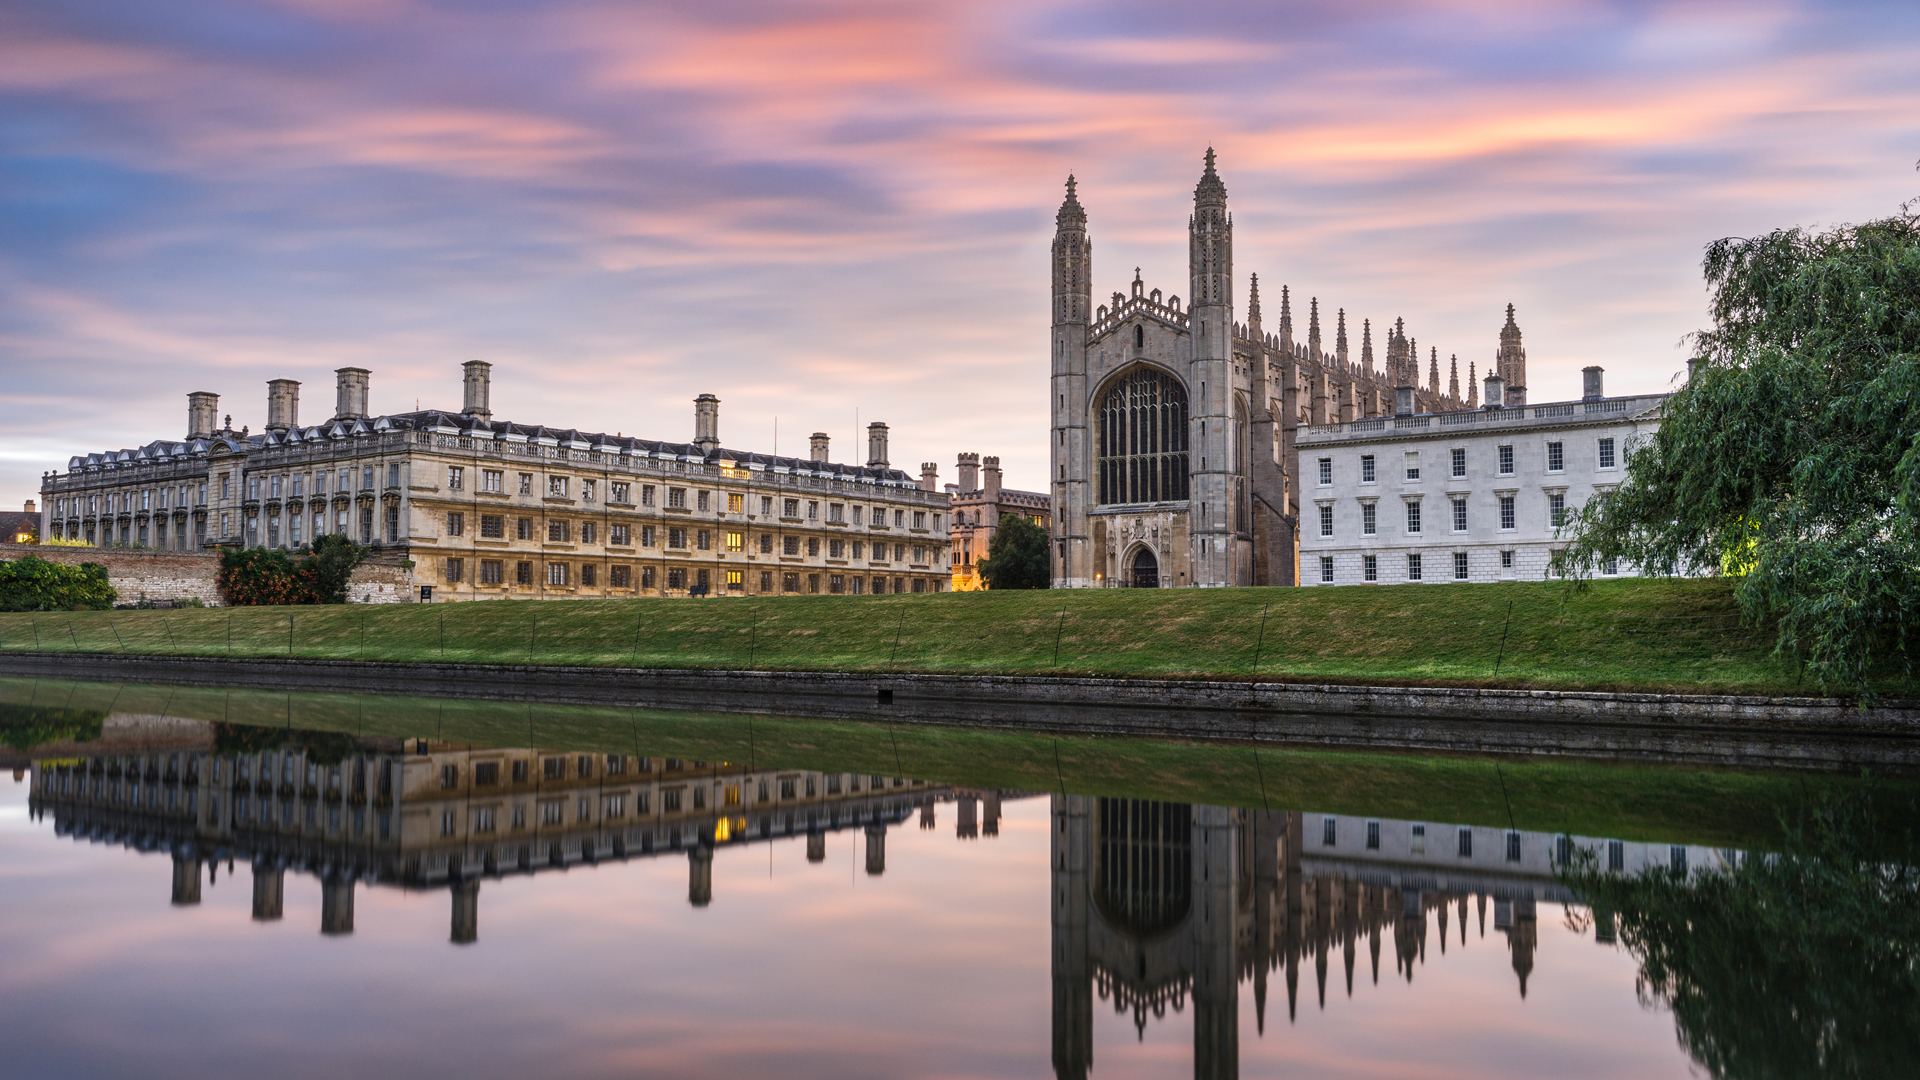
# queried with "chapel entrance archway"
point(1145, 571)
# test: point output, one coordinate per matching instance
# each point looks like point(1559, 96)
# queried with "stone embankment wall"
point(141, 574)
point(1698, 729)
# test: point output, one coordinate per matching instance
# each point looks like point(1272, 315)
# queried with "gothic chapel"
point(1171, 424)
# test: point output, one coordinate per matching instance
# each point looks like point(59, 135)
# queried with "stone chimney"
point(30, 508)
point(1496, 392)
point(817, 447)
point(283, 405)
point(203, 415)
point(929, 476)
point(706, 423)
point(351, 393)
point(1590, 386)
point(876, 445)
point(478, 384)
point(969, 472)
point(1403, 401)
point(991, 467)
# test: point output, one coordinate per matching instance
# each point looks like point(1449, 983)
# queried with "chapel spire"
point(1473, 402)
point(1340, 338)
point(1253, 301)
point(1433, 371)
point(1366, 345)
point(1512, 357)
point(1313, 327)
point(1286, 321)
point(1453, 379)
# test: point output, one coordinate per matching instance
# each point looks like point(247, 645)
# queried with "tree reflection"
point(1802, 964)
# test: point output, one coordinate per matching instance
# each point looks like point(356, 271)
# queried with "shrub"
point(259, 576)
point(34, 584)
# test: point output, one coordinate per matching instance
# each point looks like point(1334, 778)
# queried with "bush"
point(258, 576)
point(1017, 557)
point(34, 584)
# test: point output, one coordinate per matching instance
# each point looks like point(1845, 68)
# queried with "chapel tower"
point(1217, 486)
point(1071, 448)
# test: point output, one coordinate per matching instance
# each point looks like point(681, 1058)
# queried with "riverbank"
point(1633, 801)
point(1632, 635)
point(1701, 729)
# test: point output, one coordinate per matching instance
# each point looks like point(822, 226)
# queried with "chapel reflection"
point(1159, 906)
point(424, 814)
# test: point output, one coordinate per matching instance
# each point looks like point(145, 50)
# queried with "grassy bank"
point(1629, 634)
point(1722, 807)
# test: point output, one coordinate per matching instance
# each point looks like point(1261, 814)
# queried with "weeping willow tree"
point(1791, 459)
point(1799, 964)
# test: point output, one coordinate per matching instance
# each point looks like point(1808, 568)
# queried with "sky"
point(835, 212)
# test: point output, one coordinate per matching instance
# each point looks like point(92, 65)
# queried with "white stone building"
point(1473, 495)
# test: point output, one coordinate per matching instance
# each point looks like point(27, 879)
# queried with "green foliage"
point(259, 576)
point(1792, 456)
point(31, 583)
point(321, 747)
point(1803, 964)
point(333, 560)
point(1017, 558)
point(24, 727)
point(251, 577)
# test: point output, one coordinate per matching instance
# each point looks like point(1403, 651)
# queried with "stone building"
point(20, 526)
point(1174, 422)
point(1169, 906)
point(979, 502)
point(485, 508)
point(1464, 495)
point(421, 814)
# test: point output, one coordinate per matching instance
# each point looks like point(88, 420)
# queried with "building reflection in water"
point(1160, 905)
point(422, 814)
point(1155, 906)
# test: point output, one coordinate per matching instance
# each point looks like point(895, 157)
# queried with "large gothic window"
point(1143, 440)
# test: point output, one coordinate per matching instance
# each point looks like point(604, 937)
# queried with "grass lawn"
point(1632, 634)
point(1722, 807)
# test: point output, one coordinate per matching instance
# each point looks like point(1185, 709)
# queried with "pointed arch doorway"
point(1145, 571)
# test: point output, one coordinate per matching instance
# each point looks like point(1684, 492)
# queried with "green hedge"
point(34, 584)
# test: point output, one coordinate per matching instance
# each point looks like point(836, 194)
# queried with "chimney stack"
point(1403, 401)
point(350, 394)
point(969, 472)
point(991, 467)
point(706, 423)
point(876, 445)
point(283, 405)
point(1590, 383)
point(1496, 393)
point(817, 447)
point(479, 389)
point(203, 415)
point(30, 508)
point(929, 476)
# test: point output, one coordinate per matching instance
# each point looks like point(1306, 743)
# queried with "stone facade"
point(1473, 495)
point(190, 575)
point(1174, 424)
point(491, 509)
point(979, 504)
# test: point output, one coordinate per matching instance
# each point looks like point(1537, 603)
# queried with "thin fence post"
point(533, 637)
point(116, 634)
point(1057, 631)
point(1503, 641)
point(289, 640)
point(74, 636)
point(1261, 642)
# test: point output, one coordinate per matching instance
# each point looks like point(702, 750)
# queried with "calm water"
point(183, 900)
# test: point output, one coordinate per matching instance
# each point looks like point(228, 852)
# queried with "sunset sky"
point(813, 208)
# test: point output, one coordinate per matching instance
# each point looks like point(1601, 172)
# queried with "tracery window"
point(1143, 440)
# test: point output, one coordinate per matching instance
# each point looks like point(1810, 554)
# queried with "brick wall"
point(179, 575)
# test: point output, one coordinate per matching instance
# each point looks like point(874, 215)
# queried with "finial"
point(1136, 274)
point(1209, 161)
point(1253, 298)
point(1071, 184)
point(1453, 377)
